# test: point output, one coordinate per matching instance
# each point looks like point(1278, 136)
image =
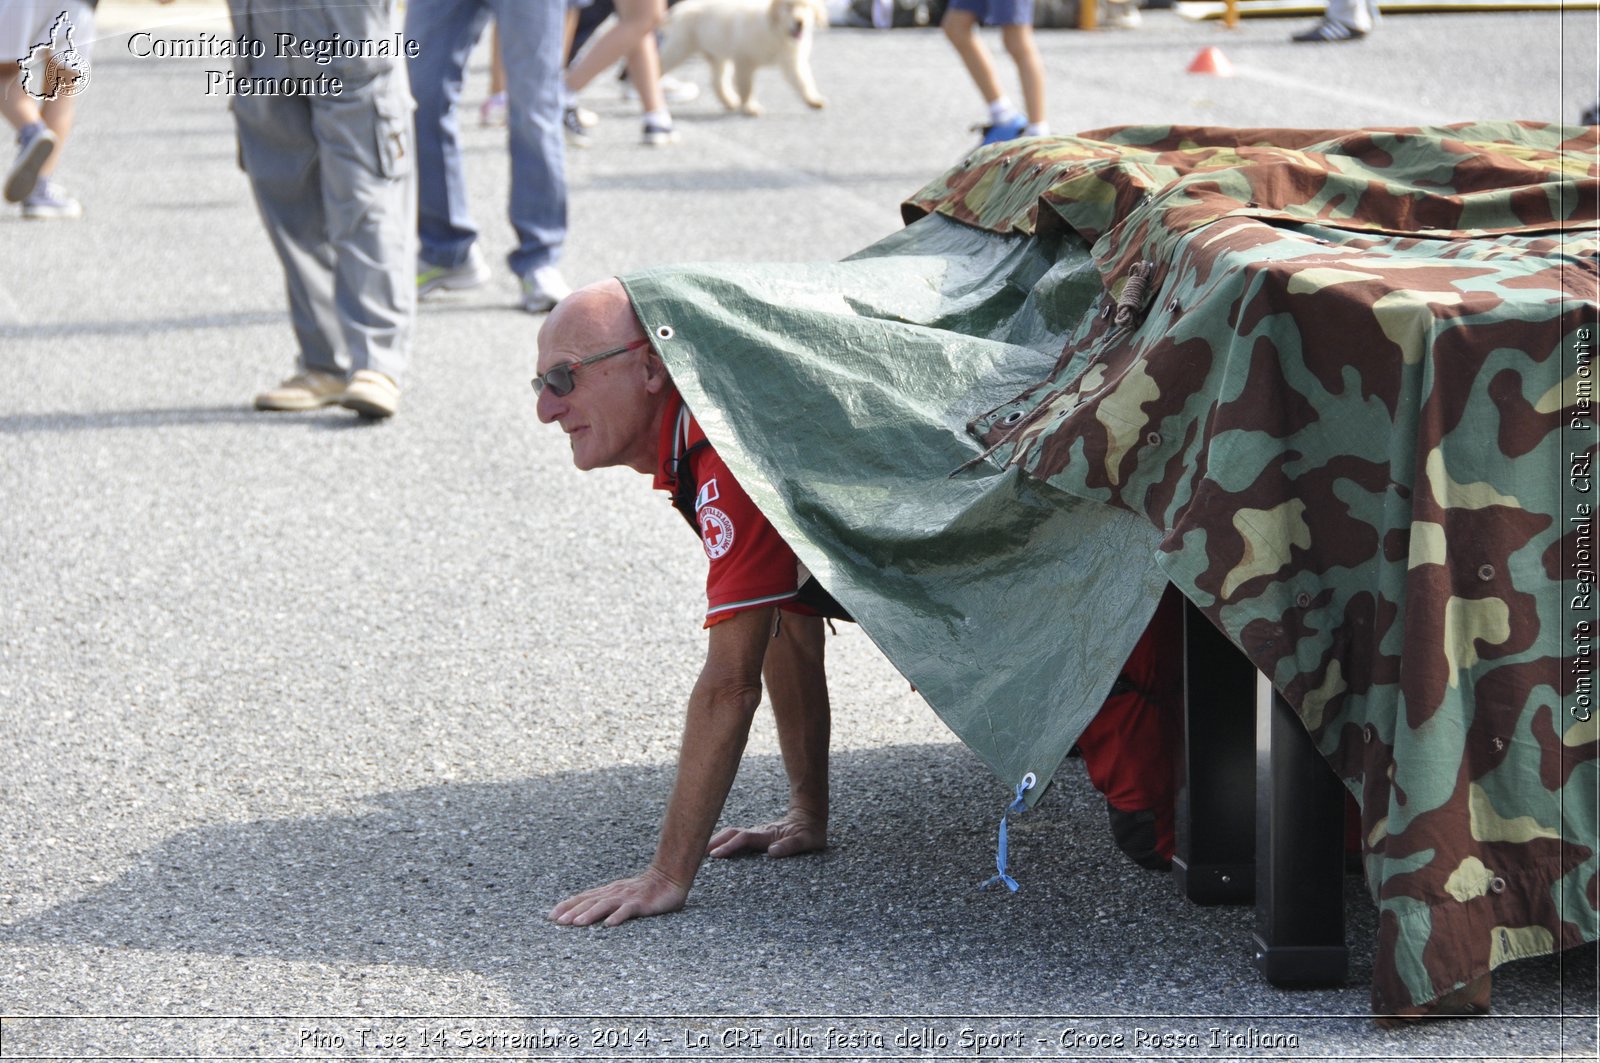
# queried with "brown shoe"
point(309, 390)
point(371, 394)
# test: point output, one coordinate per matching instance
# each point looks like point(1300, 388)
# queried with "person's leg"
point(590, 17)
point(531, 38)
point(35, 142)
point(16, 106)
point(1342, 20)
point(644, 70)
point(1129, 747)
point(278, 151)
point(58, 116)
point(797, 688)
point(493, 109)
point(23, 25)
point(1356, 14)
point(961, 29)
point(636, 19)
point(59, 110)
point(1024, 51)
point(448, 29)
point(497, 66)
point(368, 191)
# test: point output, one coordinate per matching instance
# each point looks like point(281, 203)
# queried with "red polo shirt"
point(751, 566)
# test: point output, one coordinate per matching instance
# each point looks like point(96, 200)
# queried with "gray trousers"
point(1357, 14)
point(334, 181)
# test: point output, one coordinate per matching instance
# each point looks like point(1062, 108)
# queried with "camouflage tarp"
point(1342, 380)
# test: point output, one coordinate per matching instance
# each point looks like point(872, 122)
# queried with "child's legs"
point(644, 71)
point(1024, 52)
point(960, 25)
point(15, 105)
point(58, 115)
point(497, 66)
point(635, 19)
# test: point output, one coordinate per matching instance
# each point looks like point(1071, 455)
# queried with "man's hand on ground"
point(649, 893)
point(792, 835)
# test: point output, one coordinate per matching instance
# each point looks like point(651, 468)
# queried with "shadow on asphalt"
point(142, 326)
point(330, 419)
point(460, 878)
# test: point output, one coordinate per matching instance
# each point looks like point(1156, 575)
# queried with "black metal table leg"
point(1300, 804)
point(1216, 805)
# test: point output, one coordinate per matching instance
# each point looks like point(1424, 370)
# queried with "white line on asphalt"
point(1340, 94)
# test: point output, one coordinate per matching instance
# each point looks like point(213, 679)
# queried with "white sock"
point(1002, 110)
point(658, 118)
point(1037, 129)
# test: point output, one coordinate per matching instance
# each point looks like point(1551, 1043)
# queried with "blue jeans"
point(530, 43)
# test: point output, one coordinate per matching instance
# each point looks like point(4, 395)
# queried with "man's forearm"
point(797, 686)
point(715, 729)
point(714, 735)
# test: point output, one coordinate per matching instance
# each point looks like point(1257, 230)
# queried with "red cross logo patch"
point(716, 531)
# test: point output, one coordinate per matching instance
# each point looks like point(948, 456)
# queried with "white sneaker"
point(543, 288)
point(308, 389)
point(35, 145)
point(655, 134)
point(572, 124)
point(49, 199)
point(371, 394)
point(1123, 16)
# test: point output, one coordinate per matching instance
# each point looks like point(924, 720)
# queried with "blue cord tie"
point(1000, 857)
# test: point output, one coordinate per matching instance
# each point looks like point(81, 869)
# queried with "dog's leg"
point(744, 83)
point(796, 64)
point(722, 81)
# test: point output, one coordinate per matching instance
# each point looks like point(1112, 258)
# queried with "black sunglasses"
point(559, 377)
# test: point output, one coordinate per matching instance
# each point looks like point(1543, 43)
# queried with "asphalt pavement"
point(305, 723)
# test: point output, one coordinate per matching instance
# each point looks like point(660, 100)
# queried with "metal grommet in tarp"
point(1001, 857)
point(664, 332)
point(1011, 418)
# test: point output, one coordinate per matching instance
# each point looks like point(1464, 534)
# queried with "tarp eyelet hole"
point(665, 332)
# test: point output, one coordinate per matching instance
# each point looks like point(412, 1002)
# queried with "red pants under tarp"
point(1131, 747)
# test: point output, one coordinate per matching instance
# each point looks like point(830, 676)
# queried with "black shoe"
point(1135, 835)
point(572, 122)
point(1329, 31)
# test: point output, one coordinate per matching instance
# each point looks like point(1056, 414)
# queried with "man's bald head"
point(612, 414)
point(600, 314)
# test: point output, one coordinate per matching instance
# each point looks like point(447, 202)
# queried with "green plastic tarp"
point(839, 395)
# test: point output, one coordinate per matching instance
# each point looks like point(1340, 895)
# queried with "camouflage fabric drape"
point(1345, 375)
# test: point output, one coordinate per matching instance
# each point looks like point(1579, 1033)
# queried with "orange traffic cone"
point(1211, 61)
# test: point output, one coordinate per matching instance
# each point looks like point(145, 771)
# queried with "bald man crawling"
point(602, 383)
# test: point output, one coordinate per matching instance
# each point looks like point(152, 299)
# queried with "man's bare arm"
point(797, 687)
point(717, 724)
